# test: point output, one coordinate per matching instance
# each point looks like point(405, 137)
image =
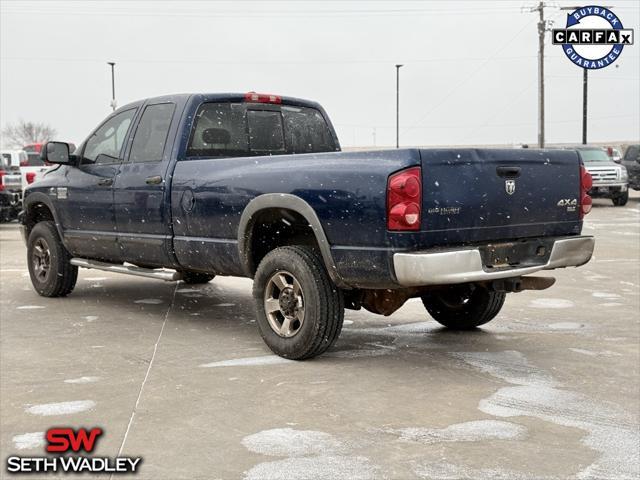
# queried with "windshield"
point(595, 155)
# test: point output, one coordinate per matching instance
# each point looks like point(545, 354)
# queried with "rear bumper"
point(466, 265)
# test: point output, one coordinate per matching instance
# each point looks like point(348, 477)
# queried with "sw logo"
point(64, 440)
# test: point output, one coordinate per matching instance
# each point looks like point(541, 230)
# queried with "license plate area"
point(526, 253)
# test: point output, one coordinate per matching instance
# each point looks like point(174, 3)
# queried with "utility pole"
point(542, 28)
point(541, 31)
point(113, 85)
point(398, 105)
point(584, 105)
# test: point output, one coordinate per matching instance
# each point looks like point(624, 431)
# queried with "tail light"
point(262, 98)
point(586, 182)
point(404, 199)
point(2, 174)
point(31, 176)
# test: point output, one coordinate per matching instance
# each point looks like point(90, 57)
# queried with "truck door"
point(143, 217)
point(88, 217)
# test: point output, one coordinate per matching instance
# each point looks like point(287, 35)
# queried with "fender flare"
point(39, 197)
point(288, 202)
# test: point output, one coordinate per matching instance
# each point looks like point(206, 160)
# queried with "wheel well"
point(38, 212)
point(277, 227)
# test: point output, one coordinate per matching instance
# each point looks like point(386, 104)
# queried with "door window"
point(105, 144)
point(151, 134)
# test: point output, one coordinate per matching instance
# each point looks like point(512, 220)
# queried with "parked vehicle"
point(34, 167)
point(631, 162)
point(614, 154)
point(10, 185)
point(255, 185)
point(610, 180)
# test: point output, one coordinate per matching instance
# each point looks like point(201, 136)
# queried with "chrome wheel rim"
point(41, 259)
point(284, 304)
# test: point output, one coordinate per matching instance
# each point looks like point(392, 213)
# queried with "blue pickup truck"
point(186, 187)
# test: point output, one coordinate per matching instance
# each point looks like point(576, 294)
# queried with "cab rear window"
point(241, 129)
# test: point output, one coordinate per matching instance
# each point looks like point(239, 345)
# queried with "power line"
point(468, 77)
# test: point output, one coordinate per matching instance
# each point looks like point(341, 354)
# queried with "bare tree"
point(25, 133)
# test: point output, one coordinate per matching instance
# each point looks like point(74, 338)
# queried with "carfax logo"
point(593, 38)
point(65, 441)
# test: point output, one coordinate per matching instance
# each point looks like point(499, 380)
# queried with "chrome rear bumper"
point(465, 265)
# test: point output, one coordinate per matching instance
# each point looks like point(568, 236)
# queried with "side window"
point(219, 131)
point(266, 133)
point(151, 134)
point(306, 131)
point(105, 144)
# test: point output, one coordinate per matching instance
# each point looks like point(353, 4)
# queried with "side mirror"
point(56, 152)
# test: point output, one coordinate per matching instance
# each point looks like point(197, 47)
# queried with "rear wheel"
point(299, 309)
point(463, 307)
point(51, 272)
point(194, 278)
point(621, 200)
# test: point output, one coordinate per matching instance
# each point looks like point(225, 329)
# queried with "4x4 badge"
point(510, 186)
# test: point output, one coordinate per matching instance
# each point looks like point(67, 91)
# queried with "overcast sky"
point(469, 75)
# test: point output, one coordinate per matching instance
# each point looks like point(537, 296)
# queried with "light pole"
point(584, 105)
point(398, 105)
point(113, 85)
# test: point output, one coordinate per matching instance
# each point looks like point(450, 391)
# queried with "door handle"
point(508, 172)
point(155, 180)
point(106, 182)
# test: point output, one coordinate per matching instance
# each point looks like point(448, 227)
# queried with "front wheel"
point(463, 307)
point(621, 200)
point(299, 309)
point(51, 272)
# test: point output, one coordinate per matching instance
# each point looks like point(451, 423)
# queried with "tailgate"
point(489, 194)
point(12, 180)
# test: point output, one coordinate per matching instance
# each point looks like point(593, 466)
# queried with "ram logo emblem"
point(510, 186)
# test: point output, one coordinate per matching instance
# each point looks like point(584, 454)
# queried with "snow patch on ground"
point(249, 362)
point(591, 353)
point(61, 408)
point(474, 431)
point(149, 301)
point(448, 471)
point(605, 295)
point(323, 467)
point(29, 307)
point(95, 279)
point(285, 442)
point(551, 303)
point(91, 318)
point(565, 326)
point(611, 431)
point(225, 305)
point(28, 440)
point(82, 380)
point(312, 455)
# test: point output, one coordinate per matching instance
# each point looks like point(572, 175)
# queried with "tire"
point(306, 318)
point(194, 278)
point(463, 307)
point(51, 273)
point(621, 200)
